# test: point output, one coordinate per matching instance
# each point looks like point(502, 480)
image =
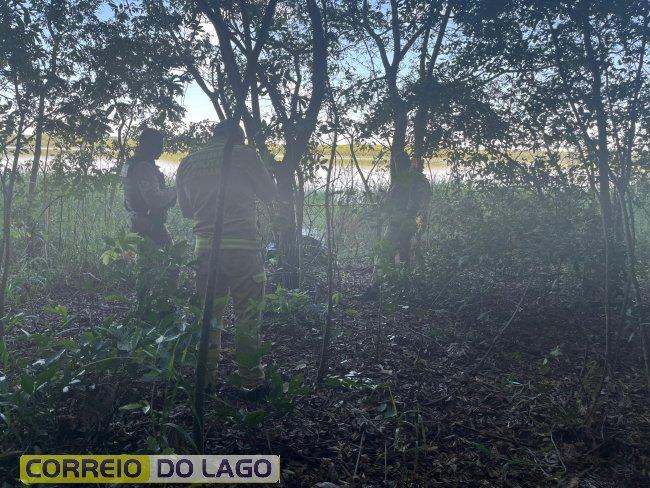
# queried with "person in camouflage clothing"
point(241, 267)
point(146, 196)
point(407, 206)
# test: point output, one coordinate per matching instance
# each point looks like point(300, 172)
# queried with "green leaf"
point(253, 419)
point(60, 310)
point(141, 405)
point(55, 357)
point(27, 383)
point(129, 342)
point(116, 298)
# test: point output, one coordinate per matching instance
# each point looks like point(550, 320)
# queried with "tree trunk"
point(602, 159)
point(300, 219)
point(6, 225)
point(325, 347)
point(630, 243)
point(399, 165)
point(208, 298)
point(289, 263)
point(40, 117)
point(38, 143)
point(33, 176)
point(296, 142)
point(398, 145)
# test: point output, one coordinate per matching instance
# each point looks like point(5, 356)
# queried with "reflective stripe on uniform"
point(247, 244)
point(204, 243)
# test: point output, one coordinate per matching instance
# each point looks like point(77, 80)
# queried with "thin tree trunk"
point(300, 218)
point(288, 245)
point(296, 147)
point(602, 157)
point(6, 225)
point(241, 88)
point(208, 299)
point(325, 347)
point(40, 117)
point(33, 177)
point(38, 143)
point(398, 145)
point(123, 132)
point(634, 281)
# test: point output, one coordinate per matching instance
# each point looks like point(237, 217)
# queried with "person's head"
point(224, 129)
point(150, 143)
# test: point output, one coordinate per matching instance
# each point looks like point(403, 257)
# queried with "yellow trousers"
point(240, 277)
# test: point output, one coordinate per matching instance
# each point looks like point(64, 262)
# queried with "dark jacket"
point(145, 191)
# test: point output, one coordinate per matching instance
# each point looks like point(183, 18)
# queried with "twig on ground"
point(505, 327)
point(356, 464)
point(559, 454)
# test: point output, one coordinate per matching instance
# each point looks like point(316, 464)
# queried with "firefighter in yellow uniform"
point(241, 267)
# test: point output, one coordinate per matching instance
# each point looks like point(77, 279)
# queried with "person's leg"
point(163, 240)
point(202, 253)
point(161, 236)
point(404, 250)
point(140, 226)
point(149, 263)
point(246, 273)
point(153, 230)
point(391, 247)
point(214, 344)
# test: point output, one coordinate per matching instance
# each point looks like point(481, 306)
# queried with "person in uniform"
point(407, 206)
point(146, 196)
point(241, 267)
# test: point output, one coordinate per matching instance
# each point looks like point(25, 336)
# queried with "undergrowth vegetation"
point(488, 250)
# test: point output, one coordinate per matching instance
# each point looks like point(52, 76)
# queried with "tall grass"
point(488, 237)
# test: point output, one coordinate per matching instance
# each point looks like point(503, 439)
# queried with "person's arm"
point(426, 193)
point(423, 194)
point(154, 197)
point(263, 183)
point(184, 203)
point(183, 200)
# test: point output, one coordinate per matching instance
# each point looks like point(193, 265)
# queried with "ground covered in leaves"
point(412, 399)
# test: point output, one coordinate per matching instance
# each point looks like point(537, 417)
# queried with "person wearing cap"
point(146, 196)
point(241, 268)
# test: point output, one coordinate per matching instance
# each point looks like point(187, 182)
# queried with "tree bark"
point(400, 125)
point(289, 262)
point(602, 159)
point(327, 332)
point(40, 117)
point(297, 133)
point(6, 224)
point(38, 143)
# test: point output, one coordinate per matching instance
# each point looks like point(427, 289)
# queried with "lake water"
point(344, 175)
